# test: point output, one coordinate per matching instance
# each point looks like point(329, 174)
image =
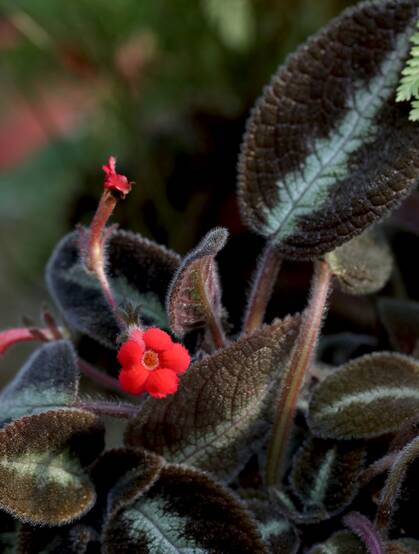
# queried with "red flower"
point(113, 180)
point(151, 362)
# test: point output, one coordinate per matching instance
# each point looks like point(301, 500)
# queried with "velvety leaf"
point(184, 511)
point(276, 531)
point(401, 321)
point(140, 272)
point(222, 410)
point(49, 379)
point(327, 150)
point(137, 479)
point(367, 397)
point(110, 473)
point(194, 295)
point(363, 265)
point(42, 480)
point(342, 542)
point(325, 474)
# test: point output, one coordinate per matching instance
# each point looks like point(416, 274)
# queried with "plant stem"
point(95, 250)
point(365, 530)
point(213, 322)
point(294, 373)
point(378, 467)
point(262, 288)
point(99, 377)
point(393, 485)
point(101, 407)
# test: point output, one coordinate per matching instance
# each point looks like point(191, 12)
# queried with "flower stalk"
point(115, 186)
point(262, 288)
point(295, 371)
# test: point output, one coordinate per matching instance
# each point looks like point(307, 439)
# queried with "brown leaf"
point(194, 295)
point(327, 150)
point(185, 510)
point(41, 457)
point(222, 411)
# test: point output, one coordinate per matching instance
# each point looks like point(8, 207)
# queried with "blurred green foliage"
point(170, 85)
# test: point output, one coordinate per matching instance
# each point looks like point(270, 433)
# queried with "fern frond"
point(408, 89)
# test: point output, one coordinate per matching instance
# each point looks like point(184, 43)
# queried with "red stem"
point(294, 373)
point(262, 288)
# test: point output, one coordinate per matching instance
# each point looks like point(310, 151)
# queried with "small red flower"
point(113, 180)
point(151, 362)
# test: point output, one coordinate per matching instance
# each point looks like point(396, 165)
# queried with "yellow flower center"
point(150, 360)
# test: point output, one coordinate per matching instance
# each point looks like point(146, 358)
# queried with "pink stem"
point(263, 285)
point(294, 373)
point(366, 531)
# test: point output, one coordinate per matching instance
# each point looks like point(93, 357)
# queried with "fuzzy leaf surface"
point(222, 411)
point(49, 379)
point(327, 150)
point(42, 480)
point(140, 272)
point(363, 265)
point(184, 511)
point(195, 292)
point(325, 475)
point(368, 397)
point(276, 531)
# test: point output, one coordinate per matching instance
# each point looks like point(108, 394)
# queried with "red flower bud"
point(113, 180)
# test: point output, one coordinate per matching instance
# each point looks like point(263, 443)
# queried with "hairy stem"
point(294, 373)
point(213, 322)
point(366, 531)
point(99, 377)
point(95, 259)
point(392, 488)
point(262, 288)
point(112, 409)
point(380, 466)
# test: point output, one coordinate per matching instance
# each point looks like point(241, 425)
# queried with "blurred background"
point(164, 85)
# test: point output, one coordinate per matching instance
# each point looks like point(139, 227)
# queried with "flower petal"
point(157, 340)
point(176, 358)
point(162, 382)
point(133, 380)
point(130, 354)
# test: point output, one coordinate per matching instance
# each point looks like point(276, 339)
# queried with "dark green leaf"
point(325, 475)
point(49, 379)
point(195, 293)
point(327, 150)
point(41, 457)
point(342, 542)
point(184, 511)
point(401, 321)
point(363, 265)
point(276, 531)
point(367, 397)
point(140, 272)
point(222, 411)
